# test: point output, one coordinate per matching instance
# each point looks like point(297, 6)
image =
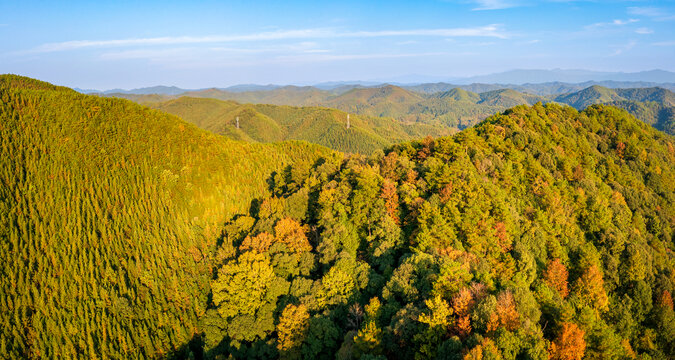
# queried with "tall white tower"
point(237, 122)
point(347, 121)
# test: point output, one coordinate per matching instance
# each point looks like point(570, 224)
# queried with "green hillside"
point(601, 95)
point(541, 233)
point(458, 94)
point(655, 94)
point(386, 101)
point(509, 98)
point(109, 213)
point(654, 106)
point(660, 116)
point(323, 126)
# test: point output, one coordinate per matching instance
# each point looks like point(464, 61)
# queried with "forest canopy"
point(542, 232)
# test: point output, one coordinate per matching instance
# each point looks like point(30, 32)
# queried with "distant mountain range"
point(571, 76)
point(440, 109)
point(540, 82)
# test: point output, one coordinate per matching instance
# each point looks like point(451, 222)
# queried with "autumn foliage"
point(291, 233)
point(591, 287)
point(556, 277)
point(506, 311)
point(292, 328)
point(569, 345)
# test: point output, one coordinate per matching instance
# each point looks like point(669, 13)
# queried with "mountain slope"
point(592, 95)
point(660, 116)
point(655, 106)
point(509, 98)
point(386, 101)
point(539, 233)
point(108, 214)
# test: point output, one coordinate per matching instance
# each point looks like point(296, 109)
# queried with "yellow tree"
point(292, 330)
point(591, 287)
point(439, 315)
point(259, 243)
point(242, 286)
point(369, 338)
point(290, 232)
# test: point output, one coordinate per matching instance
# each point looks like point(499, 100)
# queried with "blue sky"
point(196, 44)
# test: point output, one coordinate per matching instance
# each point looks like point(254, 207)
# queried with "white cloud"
point(615, 22)
point(481, 31)
point(624, 22)
point(644, 31)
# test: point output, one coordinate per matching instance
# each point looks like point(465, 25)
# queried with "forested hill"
point(109, 212)
point(655, 106)
point(319, 125)
point(542, 232)
point(125, 232)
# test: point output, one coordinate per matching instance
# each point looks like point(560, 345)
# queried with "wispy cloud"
point(622, 49)
point(644, 31)
point(495, 4)
point(493, 31)
point(615, 22)
point(219, 52)
point(343, 57)
point(655, 13)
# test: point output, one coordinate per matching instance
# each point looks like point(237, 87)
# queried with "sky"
point(198, 44)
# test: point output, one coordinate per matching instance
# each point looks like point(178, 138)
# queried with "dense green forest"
point(543, 232)
point(323, 126)
point(109, 212)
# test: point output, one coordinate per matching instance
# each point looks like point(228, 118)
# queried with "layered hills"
point(452, 108)
point(126, 232)
point(319, 125)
